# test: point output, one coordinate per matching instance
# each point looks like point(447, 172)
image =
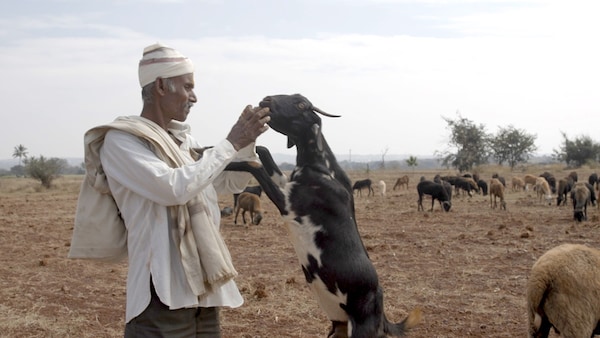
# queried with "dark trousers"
point(158, 321)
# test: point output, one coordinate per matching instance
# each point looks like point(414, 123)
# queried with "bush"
point(44, 170)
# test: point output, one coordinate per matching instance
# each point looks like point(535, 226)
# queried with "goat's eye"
point(302, 105)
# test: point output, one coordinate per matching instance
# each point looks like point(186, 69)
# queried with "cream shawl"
point(100, 233)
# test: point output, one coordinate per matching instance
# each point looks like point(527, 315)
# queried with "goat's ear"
point(316, 129)
point(290, 143)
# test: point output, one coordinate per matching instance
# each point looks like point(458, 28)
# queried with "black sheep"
point(437, 192)
point(359, 185)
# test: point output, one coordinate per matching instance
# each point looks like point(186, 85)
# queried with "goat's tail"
point(399, 329)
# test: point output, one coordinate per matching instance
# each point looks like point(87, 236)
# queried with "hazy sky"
point(392, 68)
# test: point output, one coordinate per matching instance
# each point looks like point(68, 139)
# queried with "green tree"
point(578, 151)
point(45, 170)
point(512, 145)
point(20, 152)
point(470, 145)
point(412, 162)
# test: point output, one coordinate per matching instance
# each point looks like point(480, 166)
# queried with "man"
point(165, 192)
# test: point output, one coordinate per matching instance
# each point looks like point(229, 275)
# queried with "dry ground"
point(466, 269)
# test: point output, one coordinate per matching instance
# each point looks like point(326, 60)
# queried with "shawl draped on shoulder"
point(99, 232)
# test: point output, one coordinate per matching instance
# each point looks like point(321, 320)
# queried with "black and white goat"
point(317, 205)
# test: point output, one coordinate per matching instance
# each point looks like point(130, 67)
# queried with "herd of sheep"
point(563, 288)
point(546, 188)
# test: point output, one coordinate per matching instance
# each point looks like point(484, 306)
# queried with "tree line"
point(471, 145)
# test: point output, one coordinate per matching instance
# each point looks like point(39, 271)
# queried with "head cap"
point(162, 61)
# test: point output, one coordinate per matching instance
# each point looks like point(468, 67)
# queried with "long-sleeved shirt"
point(143, 187)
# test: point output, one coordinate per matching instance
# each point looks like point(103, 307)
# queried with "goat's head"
point(294, 116)
point(446, 205)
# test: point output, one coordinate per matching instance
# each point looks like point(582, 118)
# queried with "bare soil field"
point(466, 269)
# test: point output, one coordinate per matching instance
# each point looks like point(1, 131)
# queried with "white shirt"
point(143, 186)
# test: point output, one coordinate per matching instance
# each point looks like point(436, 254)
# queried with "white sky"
point(392, 68)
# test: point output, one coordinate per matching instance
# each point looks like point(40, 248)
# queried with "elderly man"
point(149, 192)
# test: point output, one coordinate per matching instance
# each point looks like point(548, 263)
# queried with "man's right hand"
point(251, 123)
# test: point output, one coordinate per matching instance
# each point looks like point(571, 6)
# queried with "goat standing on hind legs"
point(317, 205)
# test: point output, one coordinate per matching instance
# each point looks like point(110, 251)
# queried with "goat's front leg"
point(338, 330)
point(260, 174)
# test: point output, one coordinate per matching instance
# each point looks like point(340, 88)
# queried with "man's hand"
point(252, 123)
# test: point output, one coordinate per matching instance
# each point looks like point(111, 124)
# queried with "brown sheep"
point(401, 181)
point(518, 184)
point(529, 180)
point(581, 197)
point(543, 191)
point(563, 291)
point(573, 176)
point(497, 191)
point(249, 202)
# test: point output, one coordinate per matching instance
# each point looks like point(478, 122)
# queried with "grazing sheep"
point(593, 179)
point(483, 187)
point(500, 178)
point(255, 189)
point(359, 185)
point(437, 191)
point(382, 188)
point(517, 184)
point(317, 205)
point(543, 191)
point(401, 182)
point(564, 187)
point(529, 181)
point(580, 196)
point(550, 179)
point(563, 292)
point(446, 185)
point(592, 193)
point(497, 191)
point(573, 176)
point(466, 184)
point(249, 202)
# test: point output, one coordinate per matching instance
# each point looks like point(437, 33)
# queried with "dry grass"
point(466, 269)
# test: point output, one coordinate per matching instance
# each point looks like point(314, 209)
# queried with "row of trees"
point(470, 145)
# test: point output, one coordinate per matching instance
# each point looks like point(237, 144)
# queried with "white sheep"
point(563, 291)
point(382, 188)
point(249, 202)
point(529, 180)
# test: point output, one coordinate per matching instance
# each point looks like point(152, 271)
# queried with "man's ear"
point(159, 86)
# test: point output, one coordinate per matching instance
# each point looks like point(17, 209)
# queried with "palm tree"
point(20, 152)
point(412, 162)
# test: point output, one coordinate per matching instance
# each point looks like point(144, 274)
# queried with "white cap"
point(163, 61)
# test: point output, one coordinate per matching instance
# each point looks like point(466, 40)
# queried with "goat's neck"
point(309, 155)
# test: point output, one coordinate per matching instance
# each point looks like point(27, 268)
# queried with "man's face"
point(176, 104)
